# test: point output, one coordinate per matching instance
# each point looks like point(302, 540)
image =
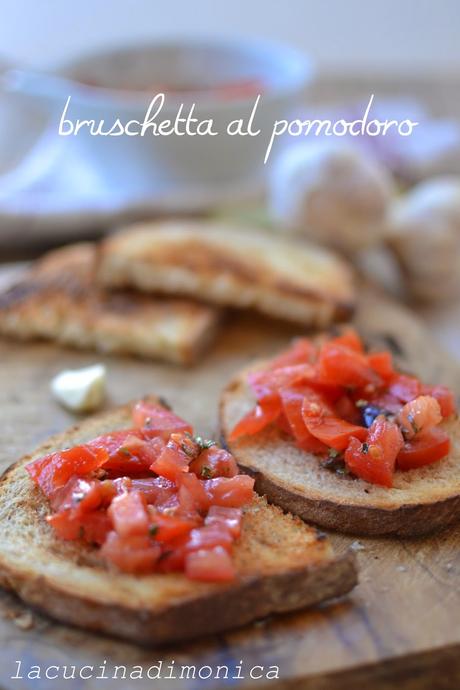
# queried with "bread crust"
point(58, 299)
point(378, 511)
point(68, 581)
point(238, 267)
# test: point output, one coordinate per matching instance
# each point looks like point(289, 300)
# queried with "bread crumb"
point(357, 546)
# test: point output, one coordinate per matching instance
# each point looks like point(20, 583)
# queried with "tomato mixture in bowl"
point(351, 408)
point(154, 498)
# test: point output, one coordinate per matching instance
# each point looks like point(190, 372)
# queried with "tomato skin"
point(166, 528)
point(404, 388)
point(263, 414)
point(350, 339)
point(54, 471)
point(129, 516)
point(172, 461)
point(346, 409)
point(377, 463)
point(214, 462)
point(339, 365)
point(132, 454)
point(135, 554)
point(231, 493)
point(230, 518)
point(334, 432)
point(156, 420)
point(293, 400)
point(424, 449)
point(382, 364)
point(193, 497)
point(210, 565)
point(445, 398)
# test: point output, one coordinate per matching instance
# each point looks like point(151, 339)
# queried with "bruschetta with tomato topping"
point(132, 525)
point(339, 436)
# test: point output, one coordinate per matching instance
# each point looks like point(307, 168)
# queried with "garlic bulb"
point(331, 194)
point(425, 237)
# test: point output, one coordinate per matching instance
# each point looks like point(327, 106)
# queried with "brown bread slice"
point(420, 502)
point(233, 266)
point(58, 300)
point(282, 565)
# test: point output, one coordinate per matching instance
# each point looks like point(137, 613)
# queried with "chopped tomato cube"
point(172, 462)
point(91, 527)
point(445, 398)
point(230, 518)
point(404, 388)
point(134, 554)
point(350, 339)
point(293, 399)
point(339, 365)
point(263, 414)
point(334, 432)
point(128, 513)
point(166, 528)
point(214, 462)
point(209, 536)
point(267, 382)
point(54, 470)
point(302, 351)
point(192, 494)
point(233, 493)
point(374, 460)
point(382, 364)
point(156, 420)
point(210, 565)
point(424, 449)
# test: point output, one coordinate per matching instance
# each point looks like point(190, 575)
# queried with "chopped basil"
point(153, 529)
point(206, 472)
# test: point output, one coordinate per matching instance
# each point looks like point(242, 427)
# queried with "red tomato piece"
point(302, 351)
point(210, 565)
point(156, 490)
point(346, 409)
point(129, 516)
point(424, 449)
point(339, 365)
point(382, 364)
point(267, 382)
point(192, 494)
point(374, 461)
point(404, 388)
point(334, 432)
point(173, 461)
point(134, 455)
point(293, 400)
point(350, 339)
point(232, 493)
point(135, 554)
point(166, 528)
point(92, 527)
point(155, 420)
point(209, 536)
point(230, 518)
point(54, 470)
point(214, 462)
point(263, 414)
point(445, 397)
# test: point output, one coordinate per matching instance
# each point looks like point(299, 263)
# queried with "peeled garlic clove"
point(331, 194)
point(80, 390)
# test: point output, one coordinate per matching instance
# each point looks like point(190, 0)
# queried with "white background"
point(363, 35)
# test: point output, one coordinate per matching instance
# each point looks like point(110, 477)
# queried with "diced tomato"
point(173, 461)
point(230, 518)
point(404, 388)
point(315, 404)
point(129, 516)
point(302, 351)
point(339, 365)
point(192, 494)
point(134, 455)
point(54, 470)
point(424, 449)
point(374, 461)
point(156, 490)
point(258, 418)
point(156, 420)
point(350, 339)
point(418, 415)
point(166, 528)
point(334, 432)
point(346, 409)
point(293, 399)
point(135, 554)
point(214, 462)
point(382, 364)
point(80, 495)
point(172, 557)
point(209, 536)
point(445, 398)
point(232, 493)
point(210, 565)
point(267, 382)
point(91, 527)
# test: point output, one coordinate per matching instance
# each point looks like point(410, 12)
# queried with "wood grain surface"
point(399, 628)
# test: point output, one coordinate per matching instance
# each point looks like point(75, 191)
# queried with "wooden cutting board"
point(400, 626)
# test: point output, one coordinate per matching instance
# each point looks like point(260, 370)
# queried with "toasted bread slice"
point(420, 502)
point(58, 300)
point(282, 565)
point(238, 267)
